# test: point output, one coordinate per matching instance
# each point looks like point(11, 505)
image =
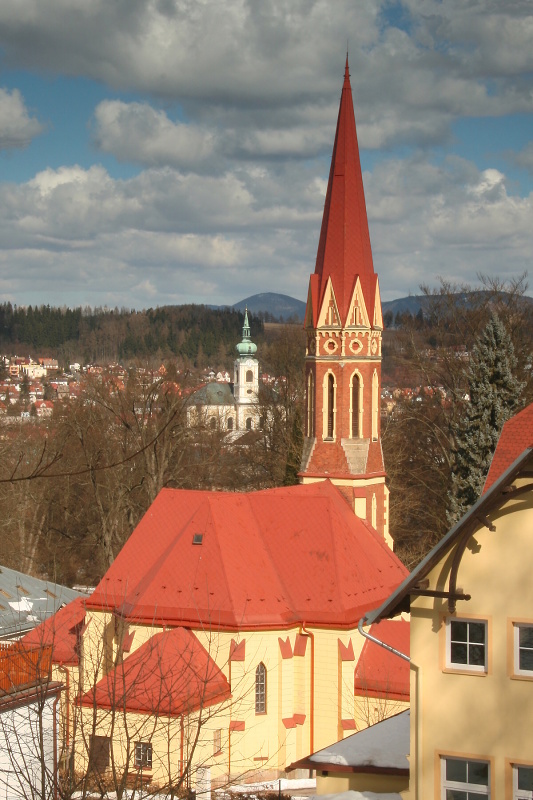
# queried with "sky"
point(157, 152)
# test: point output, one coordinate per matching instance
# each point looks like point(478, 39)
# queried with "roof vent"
point(197, 538)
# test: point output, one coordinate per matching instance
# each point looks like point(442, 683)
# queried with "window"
point(212, 423)
point(99, 753)
point(143, 755)
point(523, 649)
point(248, 423)
point(467, 644)
point(375, 406)
point(331, 407)
point(260, 689)
point(465, 780)
point(522, 783)
point(217, 741)
point(230, 423)
point(310, 405)
point(355, 406)
point(249, 376)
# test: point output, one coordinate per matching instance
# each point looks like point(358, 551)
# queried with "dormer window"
point(197, 538)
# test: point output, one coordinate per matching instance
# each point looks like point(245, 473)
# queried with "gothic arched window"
point(310, 405)
point(356, 392)
point(260, 689)
point(331, 406)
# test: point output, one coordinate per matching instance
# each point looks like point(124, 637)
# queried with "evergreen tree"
point(494, 394)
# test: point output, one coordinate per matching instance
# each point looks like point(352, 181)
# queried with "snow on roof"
point(26, 601)
point(384, 745)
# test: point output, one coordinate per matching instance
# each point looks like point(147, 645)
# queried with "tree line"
point(192, 333)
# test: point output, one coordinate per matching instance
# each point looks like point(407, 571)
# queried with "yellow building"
point(471, 603)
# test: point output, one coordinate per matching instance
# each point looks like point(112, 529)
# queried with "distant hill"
point(279, 306)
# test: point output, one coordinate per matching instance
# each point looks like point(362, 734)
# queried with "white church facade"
point(231, 407)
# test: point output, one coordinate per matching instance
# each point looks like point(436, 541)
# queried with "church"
point(222, 643)
point(234, 407)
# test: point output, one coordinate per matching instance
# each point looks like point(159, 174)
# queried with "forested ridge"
point(191, 332)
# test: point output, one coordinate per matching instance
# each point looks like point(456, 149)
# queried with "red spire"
point(344, 248)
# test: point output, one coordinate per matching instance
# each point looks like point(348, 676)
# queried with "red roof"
point(267, 560)
point(380, 673)
point(344, 250)
point(60, 632)
point(516, 436)
point(171, 673)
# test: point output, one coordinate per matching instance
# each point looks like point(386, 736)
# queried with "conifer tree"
point(494, 394)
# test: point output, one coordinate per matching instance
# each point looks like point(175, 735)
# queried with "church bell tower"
point(344, 325)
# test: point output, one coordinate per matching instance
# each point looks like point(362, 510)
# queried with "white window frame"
point(520, 794)
point(143, 755)
point(460, 786)
point(456, 665)
point(516, 641)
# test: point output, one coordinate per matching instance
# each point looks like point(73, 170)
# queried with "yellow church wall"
point(310, 691)
point(459, 712)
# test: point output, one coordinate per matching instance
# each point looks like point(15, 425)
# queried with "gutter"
point(379, 642)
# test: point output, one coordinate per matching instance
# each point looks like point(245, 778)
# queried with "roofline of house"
point(326, 766)
point(474, 516)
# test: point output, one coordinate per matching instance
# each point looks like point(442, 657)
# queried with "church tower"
point(246, 380)
point(344, 325)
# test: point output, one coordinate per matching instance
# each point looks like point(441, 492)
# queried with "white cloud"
point(78, 236)
point(17, 127)
point(138, 133)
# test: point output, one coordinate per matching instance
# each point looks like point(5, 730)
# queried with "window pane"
point(455, 794)
point(476, 632)
point(455, 770)
point(525, 778)
point(526, 659)
point(459, 653)
point(478, 772)
point(459, 631)
point(477, 655)
point(526, 636)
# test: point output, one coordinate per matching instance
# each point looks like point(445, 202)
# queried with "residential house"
point(28, 723)
point(471, 602)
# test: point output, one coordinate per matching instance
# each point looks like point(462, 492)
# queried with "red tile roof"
point(171, 674)
point(516, 436)
point(60, 632)
point(267, 560)
point(380, 673)
point(344, 250)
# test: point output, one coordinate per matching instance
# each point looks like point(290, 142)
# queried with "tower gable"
point(357, 312)
point(329, 316)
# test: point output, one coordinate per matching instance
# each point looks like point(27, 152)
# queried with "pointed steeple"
point(344, 250)
point(246, 347)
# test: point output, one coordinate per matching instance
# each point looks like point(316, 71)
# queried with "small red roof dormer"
point(344, 250)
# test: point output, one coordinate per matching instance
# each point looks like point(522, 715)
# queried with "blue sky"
point(171, 151)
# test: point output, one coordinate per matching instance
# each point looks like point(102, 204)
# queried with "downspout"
point(380, 643)
point(54, 731)
point(181, 747)
point(405, 658)
point(66, 672)
point(311, 635)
